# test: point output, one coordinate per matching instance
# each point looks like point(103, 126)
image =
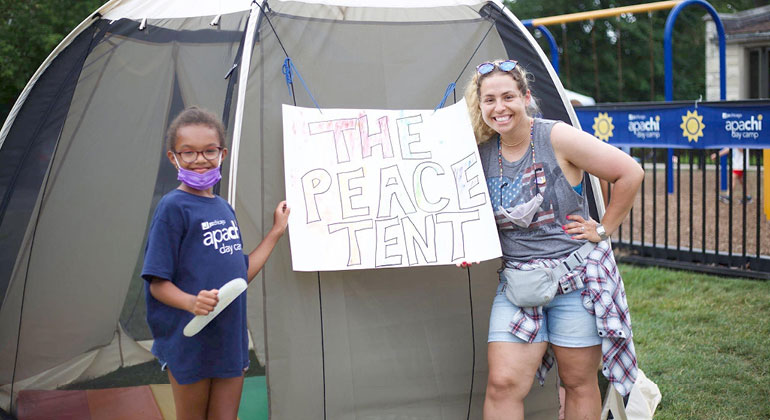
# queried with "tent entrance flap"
point(377, 325)
point(103, 183)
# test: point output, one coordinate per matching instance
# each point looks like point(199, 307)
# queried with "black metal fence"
point(699, 226)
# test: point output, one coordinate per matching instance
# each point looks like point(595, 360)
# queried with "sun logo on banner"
point(603, 126)
point(692, 126)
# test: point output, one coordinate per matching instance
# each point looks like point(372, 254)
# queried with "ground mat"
point(148, 402)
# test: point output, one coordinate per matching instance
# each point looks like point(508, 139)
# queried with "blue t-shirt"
point(195, 243)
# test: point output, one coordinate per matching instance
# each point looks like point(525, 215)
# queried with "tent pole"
point(243, 75)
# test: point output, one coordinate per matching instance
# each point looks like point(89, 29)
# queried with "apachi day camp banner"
point(385, 188)
point(708, 125)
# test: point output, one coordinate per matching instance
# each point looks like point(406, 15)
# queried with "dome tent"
point(82, 168)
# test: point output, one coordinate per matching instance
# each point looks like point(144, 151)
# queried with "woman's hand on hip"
point(581, 228)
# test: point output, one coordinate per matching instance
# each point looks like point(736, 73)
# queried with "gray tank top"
point(544, 238)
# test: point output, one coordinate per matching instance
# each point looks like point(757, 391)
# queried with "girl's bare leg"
point(191, 401)
point(225, 398)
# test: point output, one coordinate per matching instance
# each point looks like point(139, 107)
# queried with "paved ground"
point(685, 217)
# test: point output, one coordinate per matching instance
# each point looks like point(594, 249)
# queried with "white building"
point(747, 52)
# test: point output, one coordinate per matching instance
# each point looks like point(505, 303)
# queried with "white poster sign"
point(384, 188)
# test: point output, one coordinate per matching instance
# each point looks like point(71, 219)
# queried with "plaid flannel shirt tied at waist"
point(605, 298)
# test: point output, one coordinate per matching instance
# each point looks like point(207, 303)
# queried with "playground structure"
point(710, 257)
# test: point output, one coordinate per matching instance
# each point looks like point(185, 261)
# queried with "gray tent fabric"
point(395, 341)
point(374, 344)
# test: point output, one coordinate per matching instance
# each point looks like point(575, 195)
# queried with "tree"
point(29, 31)
point(591, 63)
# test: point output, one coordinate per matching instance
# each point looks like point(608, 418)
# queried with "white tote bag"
point(642, 401)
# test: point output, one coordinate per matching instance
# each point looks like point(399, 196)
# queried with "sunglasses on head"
point(488, 66)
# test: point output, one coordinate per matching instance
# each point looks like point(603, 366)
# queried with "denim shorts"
point(566, 322)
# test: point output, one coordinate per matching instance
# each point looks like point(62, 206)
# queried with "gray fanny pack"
point(537, 287)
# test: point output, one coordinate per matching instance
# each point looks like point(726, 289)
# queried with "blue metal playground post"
point(551, 42)
point(668, 63)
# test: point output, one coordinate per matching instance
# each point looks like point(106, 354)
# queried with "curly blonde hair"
point(522, 78)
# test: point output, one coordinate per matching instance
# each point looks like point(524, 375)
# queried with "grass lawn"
point(704, 340)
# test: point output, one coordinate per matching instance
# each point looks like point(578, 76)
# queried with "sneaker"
point(746, 199)
point(725, 199)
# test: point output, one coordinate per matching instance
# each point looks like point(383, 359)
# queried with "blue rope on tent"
point(452, 85)
point(288, 67)
point(286, 70)
point(449, 90)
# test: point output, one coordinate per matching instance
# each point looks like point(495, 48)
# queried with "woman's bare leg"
point(578, 369)
point(512, 368)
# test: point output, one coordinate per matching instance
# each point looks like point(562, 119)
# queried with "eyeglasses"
point(190, 156)
point(488, 66)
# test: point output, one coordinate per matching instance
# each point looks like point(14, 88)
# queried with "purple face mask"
point(198, 181)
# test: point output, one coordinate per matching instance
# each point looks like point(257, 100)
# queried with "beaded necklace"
point(531, 145)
